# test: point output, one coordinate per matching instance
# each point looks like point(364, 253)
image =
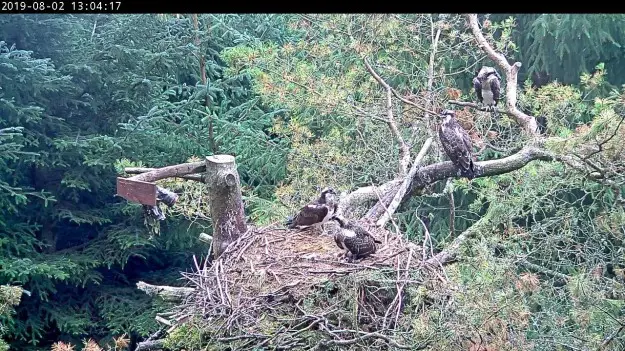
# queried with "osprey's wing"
point(465, 149)
point(309, 215)
point(457, 145)
point(495, 87)
point(477, 86)
point(448, 141)
point(361, 244)
point(338, 238)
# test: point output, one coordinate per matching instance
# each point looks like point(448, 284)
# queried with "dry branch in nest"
point(282, 288)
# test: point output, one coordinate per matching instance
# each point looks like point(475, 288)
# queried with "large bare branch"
point(364, 195)
point(526, 121)
point(152, 345)
point(442, 170)
point(478, 107)
point(171, 171)
point(429, 98)
point(171, 293)
point(140, 170)
point(404, 150)
point(399, 196)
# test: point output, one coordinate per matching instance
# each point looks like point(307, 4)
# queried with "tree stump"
point(226, 205)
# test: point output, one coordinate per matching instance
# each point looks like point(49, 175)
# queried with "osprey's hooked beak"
point(497, 74)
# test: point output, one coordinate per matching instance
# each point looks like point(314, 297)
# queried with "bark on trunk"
point(226, 205)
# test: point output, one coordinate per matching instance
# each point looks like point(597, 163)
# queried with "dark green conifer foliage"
point(567, 45)
point(79, 93)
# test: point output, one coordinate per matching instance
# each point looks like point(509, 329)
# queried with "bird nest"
point(282, 288)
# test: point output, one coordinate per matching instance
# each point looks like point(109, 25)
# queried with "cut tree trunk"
point(226, 205)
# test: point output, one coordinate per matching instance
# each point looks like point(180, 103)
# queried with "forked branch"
point(526, 121)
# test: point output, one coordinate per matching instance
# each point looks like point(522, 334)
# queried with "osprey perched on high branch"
point(456, 143)
point(487, 85)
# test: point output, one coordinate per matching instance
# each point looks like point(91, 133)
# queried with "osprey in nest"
point(317, 212)
point(354, 239)
point(487, 85)
point(456, 143)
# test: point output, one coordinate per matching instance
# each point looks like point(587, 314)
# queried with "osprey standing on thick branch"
point(317, 212)
point(487, 85)
point(456, 143)
point(355, 240)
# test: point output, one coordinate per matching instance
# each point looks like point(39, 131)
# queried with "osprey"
point(317, 212)
point(354, 239)
point(487, 85)
point(162, 195)
point(456, 142)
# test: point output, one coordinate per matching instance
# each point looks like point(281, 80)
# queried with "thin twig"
point(404, 150)
point(426, 236)
point(449, 188)
point(366, 336)
point(609, 339)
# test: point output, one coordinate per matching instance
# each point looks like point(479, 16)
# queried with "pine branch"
point(449, 253)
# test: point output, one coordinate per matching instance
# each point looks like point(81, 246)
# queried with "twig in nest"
point(365, 336)
point(426, 238)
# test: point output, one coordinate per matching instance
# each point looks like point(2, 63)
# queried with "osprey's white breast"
point(487, 96)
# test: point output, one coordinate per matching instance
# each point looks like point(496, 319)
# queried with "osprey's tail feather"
point(470, 173)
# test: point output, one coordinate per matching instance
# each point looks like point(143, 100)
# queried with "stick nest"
point(281, 288)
